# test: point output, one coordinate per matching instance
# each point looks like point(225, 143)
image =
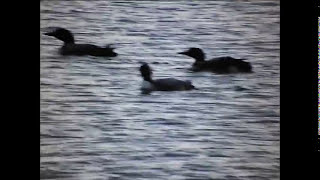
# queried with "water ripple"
point(96, 123)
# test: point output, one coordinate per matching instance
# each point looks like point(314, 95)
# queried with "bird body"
point(218, 65)
point(71, 48)
point(165, 84)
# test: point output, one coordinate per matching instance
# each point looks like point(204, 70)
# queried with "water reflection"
point(97, 124)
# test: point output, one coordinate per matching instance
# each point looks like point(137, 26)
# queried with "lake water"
point(96, 123)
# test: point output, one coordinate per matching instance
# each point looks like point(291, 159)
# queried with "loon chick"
point(167, 84)
point(70, 48)
point(218, 65)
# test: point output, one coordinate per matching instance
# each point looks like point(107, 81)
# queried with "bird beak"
point(184, 52)
point(49, 33)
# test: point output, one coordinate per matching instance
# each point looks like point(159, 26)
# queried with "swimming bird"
point(71, 48)
point(220, 65)
point(167, 84)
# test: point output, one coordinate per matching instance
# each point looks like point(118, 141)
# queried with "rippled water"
point(96, 124)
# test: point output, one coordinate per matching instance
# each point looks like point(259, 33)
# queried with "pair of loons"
point(221, 65)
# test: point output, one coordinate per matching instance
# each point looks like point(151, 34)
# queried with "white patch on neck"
point(147, 85)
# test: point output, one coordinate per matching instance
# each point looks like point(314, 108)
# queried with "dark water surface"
point(96, 124)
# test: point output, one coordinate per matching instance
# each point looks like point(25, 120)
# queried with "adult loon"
point(218, 65)
point(167, 84)
point(71, 48)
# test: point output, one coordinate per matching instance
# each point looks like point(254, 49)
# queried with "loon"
point(221, 65)
point(167, 84)
point(71, 48)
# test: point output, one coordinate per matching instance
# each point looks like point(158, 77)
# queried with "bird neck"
point(200, 57)
point(67, 38)
point(69, 41)
point(148, 78)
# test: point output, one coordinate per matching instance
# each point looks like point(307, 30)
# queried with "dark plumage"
point(167, 84)
point(71, 48)
point(218, 65)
